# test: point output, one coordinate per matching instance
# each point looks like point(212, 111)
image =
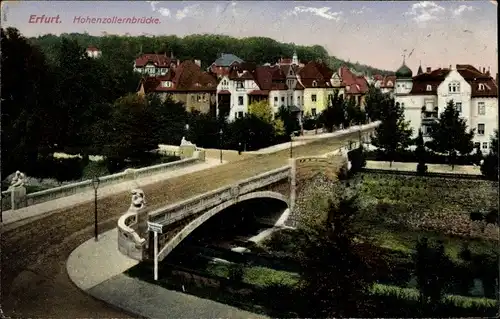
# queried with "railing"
point(79, 187)
point(172, 213)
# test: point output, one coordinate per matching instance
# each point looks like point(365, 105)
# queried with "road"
point(34, 278)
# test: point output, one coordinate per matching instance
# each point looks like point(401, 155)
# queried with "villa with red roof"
point(187, 83)
point(427, 94)
point(93, 52)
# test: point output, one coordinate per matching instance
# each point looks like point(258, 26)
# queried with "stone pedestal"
point(18, 197)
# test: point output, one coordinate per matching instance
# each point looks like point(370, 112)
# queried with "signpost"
point(156, 229)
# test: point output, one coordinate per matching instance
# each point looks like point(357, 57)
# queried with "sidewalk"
point(97, 267)
point(10, 216)
point(433, 168)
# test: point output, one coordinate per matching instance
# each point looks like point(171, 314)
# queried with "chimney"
point(450, 67)
point(198, 63)
point(428, 70)
point(484, 70)
point(488, 72)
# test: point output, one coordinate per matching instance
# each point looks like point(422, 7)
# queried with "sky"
point(433, 33)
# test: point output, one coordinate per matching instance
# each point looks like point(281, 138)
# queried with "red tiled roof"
point(354, 84)
point(378, 77)
point(388, 81)
point(92, 48)
point(159, 60)
point(187, 77)
point(270, 78)
point(299, 86)
point(317, 72)
point(473, 76)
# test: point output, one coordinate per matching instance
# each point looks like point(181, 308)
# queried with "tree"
point(130, 133)
point(261, 110)
point(334, 114)
point(449, 134)
point(27, 102)
point(421, 154)
point(432, 270)
point(170, 119)
point(489, 168)
point(393, 133)
point(375, 103)
point(478, 155)
point(290, 121)
point(335, 269)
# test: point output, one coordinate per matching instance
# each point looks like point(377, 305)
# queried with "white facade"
point(278, 98)
point(151, 70)
point(94, 53)
point(480, 114)
point(239, 95)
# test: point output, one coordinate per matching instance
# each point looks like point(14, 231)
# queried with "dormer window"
point(167, 84)
point(197, 84)
point(481, 87)
point(429, 87)
point(388, 83)
point(454, 87)
point(315, 84)
point(291, 73)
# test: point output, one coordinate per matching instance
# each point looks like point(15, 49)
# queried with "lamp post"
point(95, 184)
point(291, 145)
point(220, 144)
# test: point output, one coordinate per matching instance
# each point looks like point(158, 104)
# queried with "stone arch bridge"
point(151, 235)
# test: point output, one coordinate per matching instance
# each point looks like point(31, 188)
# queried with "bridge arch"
point(189, 228)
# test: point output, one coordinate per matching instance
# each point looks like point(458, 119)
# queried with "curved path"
point(34, 278)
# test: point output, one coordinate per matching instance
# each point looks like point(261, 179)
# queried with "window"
point(481, 87)
point(485, 145)
point(480, 129)
point(458, 106)
point(313, 98)
point(298, 100)
point(313, 112)
point(481, 108)
point(454, 87)
point(282, 99)
point(239, 85)
point(477, 144)
point(429, 87)
point(330, 97)
point(315, 84)
point(240, 114)
point(240, 100)
point(193, 98)
point(199, 97)
point(275, 101)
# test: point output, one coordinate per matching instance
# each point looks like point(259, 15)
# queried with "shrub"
point(357, 158)
point(62, 169)
point(421, 169)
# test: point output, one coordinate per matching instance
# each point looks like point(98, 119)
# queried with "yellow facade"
point(316, 100)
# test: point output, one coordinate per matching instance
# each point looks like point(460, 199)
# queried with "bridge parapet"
point(172, 213)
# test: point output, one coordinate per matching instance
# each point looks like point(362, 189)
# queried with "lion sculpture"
point(138, 199)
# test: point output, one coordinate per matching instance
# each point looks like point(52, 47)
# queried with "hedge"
point(409, 156)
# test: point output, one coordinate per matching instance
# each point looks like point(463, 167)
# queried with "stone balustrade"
point(178, 211)
point(197, 155)
point(129, 241)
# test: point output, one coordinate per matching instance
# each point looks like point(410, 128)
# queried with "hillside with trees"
point(207, 48)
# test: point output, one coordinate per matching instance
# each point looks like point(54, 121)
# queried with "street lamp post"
point(220, 144)
point(291, 145)
point(95, 184)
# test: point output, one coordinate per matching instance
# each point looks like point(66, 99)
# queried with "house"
point(317, 80)
point(427, 94)
point(188, 84)
point(385, 83)
point(356, 86)
point(240, 82)
point(223, 64)
point(291, 61)
point(155, 64)
point(93, 52)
